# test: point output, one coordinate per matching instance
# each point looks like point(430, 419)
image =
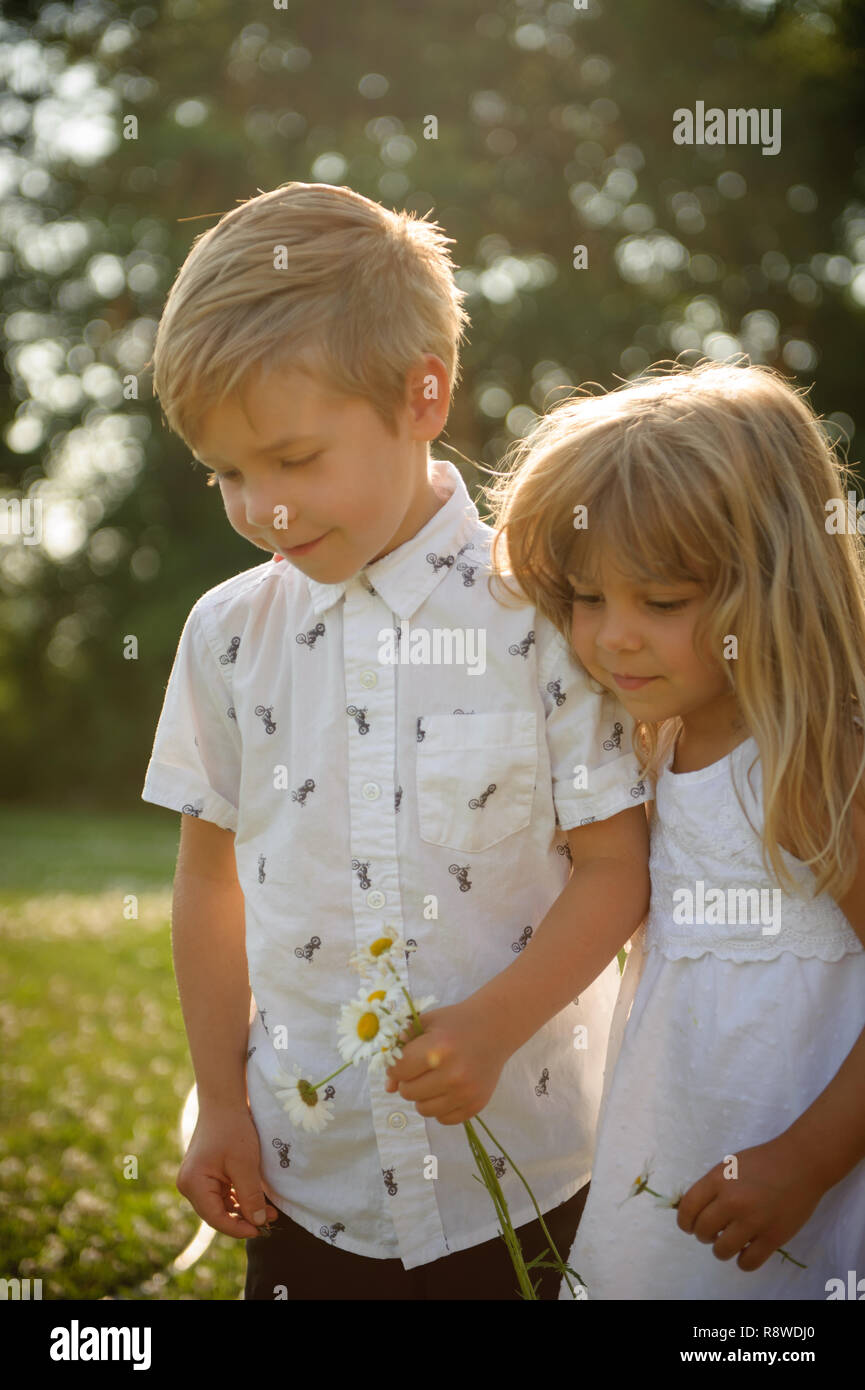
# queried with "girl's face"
point(637, 640)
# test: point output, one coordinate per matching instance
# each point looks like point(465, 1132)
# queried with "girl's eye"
point(663, 606)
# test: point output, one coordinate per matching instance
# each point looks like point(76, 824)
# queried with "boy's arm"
point(452, 1070)
point(208, 941)
point(221, 1171)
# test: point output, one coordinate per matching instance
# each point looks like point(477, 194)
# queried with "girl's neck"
point(707, 736)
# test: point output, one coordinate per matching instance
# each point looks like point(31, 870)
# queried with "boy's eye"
point(214, 477)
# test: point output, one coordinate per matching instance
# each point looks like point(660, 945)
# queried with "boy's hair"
point(719, 474)
point(313, 276)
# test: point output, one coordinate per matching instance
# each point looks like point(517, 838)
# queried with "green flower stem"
point(785, 1255)
point(556, 1256)
point(491, 1183)
point(414, 1013)
point(510, 1236)
point(318, 1085)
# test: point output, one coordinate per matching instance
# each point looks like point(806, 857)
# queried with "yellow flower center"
point(308, 1093)
point(367, 1026)
point(376, 994)
point(379, 947)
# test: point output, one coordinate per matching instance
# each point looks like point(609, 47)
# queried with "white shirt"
point(425, 797)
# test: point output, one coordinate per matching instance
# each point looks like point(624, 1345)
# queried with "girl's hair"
point(315, 276)
point(719, 474)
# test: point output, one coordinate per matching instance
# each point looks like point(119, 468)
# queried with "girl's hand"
point(753, 1214)
point(452, 1069)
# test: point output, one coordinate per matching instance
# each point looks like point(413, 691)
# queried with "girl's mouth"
point(632, 682)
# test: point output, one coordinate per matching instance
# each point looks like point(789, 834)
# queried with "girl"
point(692, 535)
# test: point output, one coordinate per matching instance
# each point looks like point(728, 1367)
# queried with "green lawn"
point(95, 1066)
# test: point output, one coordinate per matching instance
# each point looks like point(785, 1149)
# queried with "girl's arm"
point(452, 1070)
point(778, 1184)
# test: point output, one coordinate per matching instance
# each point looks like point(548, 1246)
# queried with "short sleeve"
point(195, 764)
point(595, 772)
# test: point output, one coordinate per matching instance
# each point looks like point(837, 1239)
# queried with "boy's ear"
point(428, 390)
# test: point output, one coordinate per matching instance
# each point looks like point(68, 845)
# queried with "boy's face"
point(620, 629)
point(344, 482)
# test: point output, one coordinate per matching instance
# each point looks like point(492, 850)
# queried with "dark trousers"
point(311, 1268)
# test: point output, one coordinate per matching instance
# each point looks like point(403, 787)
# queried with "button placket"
point(403, 1145)
point(401, 1134)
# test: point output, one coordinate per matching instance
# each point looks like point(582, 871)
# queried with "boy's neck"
point(422, 509)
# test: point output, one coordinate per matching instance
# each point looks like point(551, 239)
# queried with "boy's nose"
point(261, 508)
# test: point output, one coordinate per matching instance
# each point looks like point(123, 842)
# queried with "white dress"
point(733, 1031)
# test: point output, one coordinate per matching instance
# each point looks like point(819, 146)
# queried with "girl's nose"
point(618, 632)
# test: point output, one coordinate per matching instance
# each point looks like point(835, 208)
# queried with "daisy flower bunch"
point(371, 1029)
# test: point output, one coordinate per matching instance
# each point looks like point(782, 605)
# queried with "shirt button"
point(372, 791)
point(397, 1120)
point(369, 679)
point(375, 898)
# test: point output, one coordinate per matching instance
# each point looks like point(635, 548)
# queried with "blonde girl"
point(695, 536)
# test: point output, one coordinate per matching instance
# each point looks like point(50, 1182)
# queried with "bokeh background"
point(127, 130)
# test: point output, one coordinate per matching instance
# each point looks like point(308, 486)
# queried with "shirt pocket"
point(476, 777)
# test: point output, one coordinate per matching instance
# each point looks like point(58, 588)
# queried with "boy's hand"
point(452, 1069)
point(771, 1199)
point(220, 1174)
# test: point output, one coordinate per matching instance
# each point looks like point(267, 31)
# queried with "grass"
point(95, 1065)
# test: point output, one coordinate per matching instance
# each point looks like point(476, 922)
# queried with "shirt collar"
point(408, 575)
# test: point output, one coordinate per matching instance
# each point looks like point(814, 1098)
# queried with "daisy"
point(365, 1027)
point(378, 954)
point(401, 1020)
point(370, 1026)
point(306, 1108)
point(641, 1183)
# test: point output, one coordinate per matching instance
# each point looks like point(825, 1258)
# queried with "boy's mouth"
point(302, 549)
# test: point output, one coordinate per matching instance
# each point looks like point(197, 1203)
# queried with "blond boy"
point(338, 783)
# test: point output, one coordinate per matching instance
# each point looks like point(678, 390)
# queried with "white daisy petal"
point(371, 959)
point(303, 1115)
point(364, 1028)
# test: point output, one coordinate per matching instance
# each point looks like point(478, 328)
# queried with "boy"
point(341, 775)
